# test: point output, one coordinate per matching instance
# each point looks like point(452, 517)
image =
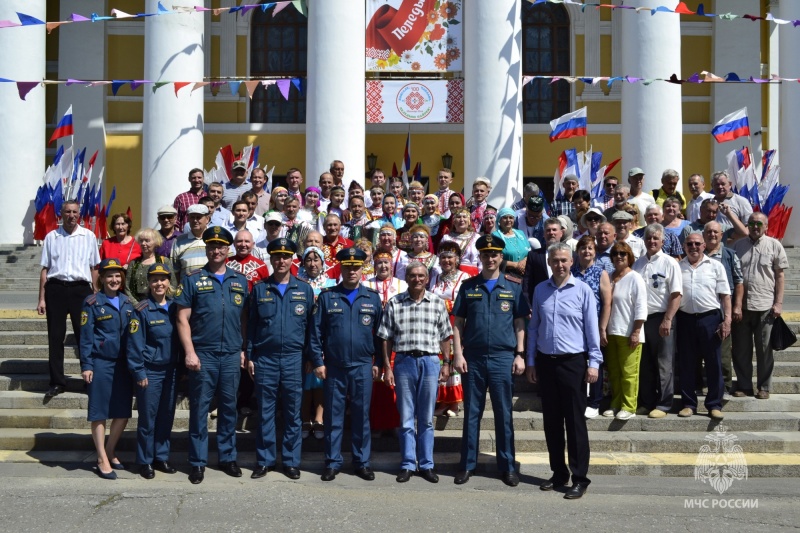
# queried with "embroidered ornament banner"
point(422, 101)
point(413, 35)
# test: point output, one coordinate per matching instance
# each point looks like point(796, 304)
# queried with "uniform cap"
point(158, 268)
point(107, 265)
point(217, 234)
point(351, 256)
point(282, 246)
point(490, 243)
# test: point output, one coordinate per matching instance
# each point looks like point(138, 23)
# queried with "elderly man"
point(638, 197)
point(258, 181)
point(704, 320)
point(763, 262)
point(662, 276)
point(186, 199)
point(167, 220)
point(620, 202)
point(697, 186)
point(68, 275)
point(333, 242)
point(737, 205)
point(244, 262)
point(564, 205)
point(564, 355)
point(531, 220)
point(237, 184)
point(654, 214)
point(715, 249)
point(669, 187)
point(709, 210)
point(605, 238)
point(537, 268)
point(530, 190)
point(623, 221)
point(488, 349)
point(416, 326)
point(337, 171)
point(189, 252)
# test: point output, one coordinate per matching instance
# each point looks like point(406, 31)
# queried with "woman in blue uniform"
point(104, 320)
point(152, 357)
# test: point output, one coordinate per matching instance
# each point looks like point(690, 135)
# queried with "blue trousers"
point(156, 407)
point(492, 372)
point(416, 384)
point(355, 383)
point(697, 337)
point(272, 374)
point(219, 374)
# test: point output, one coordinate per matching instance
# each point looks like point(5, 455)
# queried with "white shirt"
point(693, 208)
point(628, 303)
point(662, 277)
point(641, 202)
point(740, 207)
point(702, 284)
point(637, 245)
point(70, 256)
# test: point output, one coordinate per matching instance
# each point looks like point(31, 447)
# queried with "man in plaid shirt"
point(564, 206)
point(186, 199)
point(416, 326)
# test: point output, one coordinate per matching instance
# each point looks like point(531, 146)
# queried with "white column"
point(493, 97)
point(172, 127)
point(737, 48)
point(335, 96)
point(22, 145)
point(652, 126)
point(83, 57)
point(790, 115)
point(591, 49)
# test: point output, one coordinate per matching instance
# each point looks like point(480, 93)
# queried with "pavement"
point(68, 497)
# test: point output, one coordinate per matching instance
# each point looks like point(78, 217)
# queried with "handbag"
point(782, 336)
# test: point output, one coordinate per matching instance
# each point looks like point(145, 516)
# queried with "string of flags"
point(702, 77)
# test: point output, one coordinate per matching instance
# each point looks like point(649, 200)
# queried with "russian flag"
point(64, 128)
point(732, 127)
point(570, 125)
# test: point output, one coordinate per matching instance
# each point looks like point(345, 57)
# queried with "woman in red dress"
point(122, 246)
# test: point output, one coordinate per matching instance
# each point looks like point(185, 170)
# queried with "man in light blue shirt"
point(563, 355)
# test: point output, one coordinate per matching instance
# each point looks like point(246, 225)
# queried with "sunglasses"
point(755, 224)
point(593, 219)
point(693, 244)
point(619, 254)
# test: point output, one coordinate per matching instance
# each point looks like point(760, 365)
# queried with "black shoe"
point(292, 472)
point(197, 474)
point(552, 483)
point(163, 466)
point(147, 472)
point(462, 477)
point(329, 474)
point(231, 468)
point(55, 390)
point(261, 471)
point(428, 475)
point(510, 478)
point(404, 475)
point(577, 490)
point(365, 473)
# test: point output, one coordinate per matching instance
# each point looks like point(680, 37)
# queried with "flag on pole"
point(732, 127)
point(570, 125)
point(407, 160)
point(64, 127)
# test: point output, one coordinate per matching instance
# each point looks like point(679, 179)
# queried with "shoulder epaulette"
point(193, 272)
point(141, 306)
point(326, 289)
point(513, 279)
point(91, 299)
point(302, 281)
point(370, 289)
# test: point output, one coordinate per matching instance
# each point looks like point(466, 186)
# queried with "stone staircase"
point(20, 268)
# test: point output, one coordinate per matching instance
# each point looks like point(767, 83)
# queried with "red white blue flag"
point(570, 125)
point(732, 127)
point(64, 128)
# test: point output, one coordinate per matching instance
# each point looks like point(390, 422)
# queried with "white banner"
point(410, 101)
point(414, 35)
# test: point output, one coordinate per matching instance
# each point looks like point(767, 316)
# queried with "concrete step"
point(37, 366)
point(34, 351)
point(37, 382)
point(29, 338)
point(23, 324)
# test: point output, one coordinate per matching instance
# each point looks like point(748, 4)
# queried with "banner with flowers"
point(414, 35)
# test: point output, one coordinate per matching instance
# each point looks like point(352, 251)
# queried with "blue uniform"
point(153, 349)
point(347, 335)
point(489, 343)
point(102, 339)
point(278, 334)
point(216, 325)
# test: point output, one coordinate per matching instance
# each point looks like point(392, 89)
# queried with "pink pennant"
point(283, 86)
point(279, 7)
point(199, 85)
point(8, 24)
point(24, 87)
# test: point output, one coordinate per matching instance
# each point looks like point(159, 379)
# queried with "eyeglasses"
point(755, 224)
point(694, 244)
point(593, 219)
point(619, 254)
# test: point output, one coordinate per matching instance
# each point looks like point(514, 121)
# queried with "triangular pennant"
point(280, 6)
point(120, 14)
point(50, 26)
point(159, 84)
point(136, 83)
point(180, 85)
point(76, 17)
point(9, 24)
point(163, 10)
point(283, 86)
point(674, 79)
point(198, 85)
point(301, 6)
point(116, 85)
point(234, 86)
point(71, 81)
point(251, 85)
point(683, 9)
point(298, 83)
point(28, 20)
point(100, 82)
point(24, 87)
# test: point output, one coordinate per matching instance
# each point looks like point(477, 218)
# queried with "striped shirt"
point(231, 193)
point(188, 254)
point(416, 326)
point(70, 256)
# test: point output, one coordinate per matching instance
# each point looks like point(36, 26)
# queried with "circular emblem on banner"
point(414, 101)
point(505, 306)
point(366, 319)
point(237, 299)
point(299, 309)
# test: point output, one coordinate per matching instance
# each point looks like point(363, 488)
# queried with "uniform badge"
point(84, 318)
point(102, 310)
point(505, 306)
point(366, 319)
point(179, 291)
point(134, 327)
point(237, 299)
point(299, 309)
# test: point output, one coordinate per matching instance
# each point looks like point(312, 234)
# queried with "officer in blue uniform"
point(345, 327)
point(104, 321)
point(488, 349)
point(212, 321)
point(278, 333)
point(153, 349)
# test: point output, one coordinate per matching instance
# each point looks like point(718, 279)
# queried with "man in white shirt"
point(697, 186)
point(638, 197)
point(69, 255)
point(662, 276)
point(704, 320)
point(623, 222)
point(721, 185)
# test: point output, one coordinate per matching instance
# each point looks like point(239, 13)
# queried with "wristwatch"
point(521, 354)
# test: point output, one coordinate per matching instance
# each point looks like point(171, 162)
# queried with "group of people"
point(400, 306)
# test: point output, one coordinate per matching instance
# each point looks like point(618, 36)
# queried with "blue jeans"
point(416, 383)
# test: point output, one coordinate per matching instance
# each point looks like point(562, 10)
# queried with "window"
point(545, 52)
point(278, 47)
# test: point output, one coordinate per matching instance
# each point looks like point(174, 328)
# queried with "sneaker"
point(625, 415)
point(450, 413)
point(686, 412)
point(213, 414)
point(716, 414)
point(591, 412)
point(656, 413)
point(608, 412)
